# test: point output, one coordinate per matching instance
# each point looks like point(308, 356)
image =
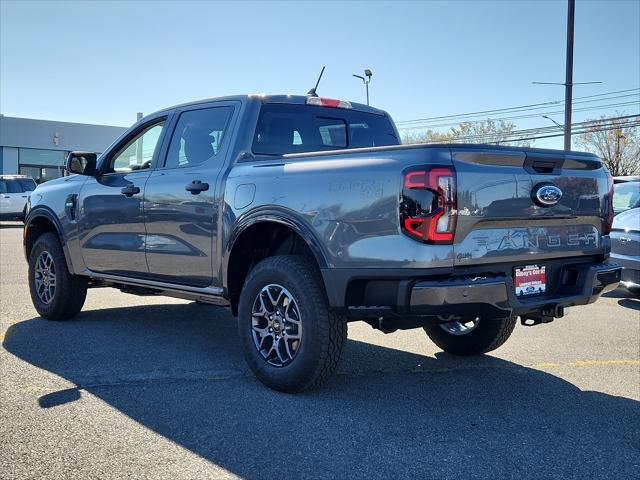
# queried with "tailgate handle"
point(535, 164)
point(543, 166)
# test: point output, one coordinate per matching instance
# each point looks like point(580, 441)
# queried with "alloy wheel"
point(45, 273)
point(276, 325)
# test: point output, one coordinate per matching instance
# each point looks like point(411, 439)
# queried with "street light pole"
point(568, 92)
point(549, 118)
point(367, 88)
point(366, 81)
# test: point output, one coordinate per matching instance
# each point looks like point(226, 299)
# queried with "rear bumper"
point(404, 294)
point(495, 296)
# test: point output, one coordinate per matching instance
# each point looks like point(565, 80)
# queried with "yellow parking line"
point(589, 363)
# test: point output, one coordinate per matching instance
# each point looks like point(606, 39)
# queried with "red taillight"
point(610, 213)
point(428, 204)
point(328, 102)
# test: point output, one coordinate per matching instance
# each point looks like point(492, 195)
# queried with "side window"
point(3, 186)
point(198, 136)
point(333, 132)
point(139, 152)
point(13, 186)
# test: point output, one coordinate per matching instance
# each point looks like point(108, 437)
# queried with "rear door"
point(181, 209)
point(501, 217)
point(110, 210)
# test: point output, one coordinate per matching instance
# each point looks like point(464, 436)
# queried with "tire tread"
point(331, 327)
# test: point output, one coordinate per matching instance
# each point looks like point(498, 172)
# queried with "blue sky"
point(101, 62)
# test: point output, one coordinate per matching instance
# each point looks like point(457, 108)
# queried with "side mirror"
point(82, 163)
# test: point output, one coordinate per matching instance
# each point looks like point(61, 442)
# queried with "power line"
point(527, 109)
point(522, 134)
point(518, 117)
point(509, 109)
point(535, 133)
point(637, 124)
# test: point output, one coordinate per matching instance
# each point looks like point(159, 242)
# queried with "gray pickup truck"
point(302, 213)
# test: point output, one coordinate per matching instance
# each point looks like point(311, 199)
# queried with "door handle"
point(625, 239)
point(130, 190)
point(196, 186)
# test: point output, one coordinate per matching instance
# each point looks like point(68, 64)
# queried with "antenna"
point(312, 92)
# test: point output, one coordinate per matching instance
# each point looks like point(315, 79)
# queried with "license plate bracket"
point(530, 280)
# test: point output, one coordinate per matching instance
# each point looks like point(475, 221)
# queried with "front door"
point(180, 205)
point(110, 210)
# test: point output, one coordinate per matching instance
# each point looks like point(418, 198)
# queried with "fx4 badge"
point(546, 194)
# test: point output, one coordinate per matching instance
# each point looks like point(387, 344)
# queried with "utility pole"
point(568, 83)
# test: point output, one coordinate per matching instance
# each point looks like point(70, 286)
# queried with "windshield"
point(626, 196)
point(286, 128)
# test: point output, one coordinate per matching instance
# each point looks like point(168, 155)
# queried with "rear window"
point(284, 128)
point(17, 185)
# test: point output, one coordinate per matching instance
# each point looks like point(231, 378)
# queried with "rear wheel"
point(474, 337)
point(55, 293)
point(291, 340)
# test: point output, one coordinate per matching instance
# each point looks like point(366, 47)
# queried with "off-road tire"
point(489, 334)
point(70, 291)
point(323, 333)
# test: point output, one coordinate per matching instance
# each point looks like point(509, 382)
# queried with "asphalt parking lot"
point(150, 387)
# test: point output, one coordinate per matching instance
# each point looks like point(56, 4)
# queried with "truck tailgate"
point(501, 217)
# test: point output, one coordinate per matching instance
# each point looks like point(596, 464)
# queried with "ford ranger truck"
point(301, 214)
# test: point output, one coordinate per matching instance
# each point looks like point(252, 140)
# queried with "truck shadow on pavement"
point(177, 370)
point(626, 299)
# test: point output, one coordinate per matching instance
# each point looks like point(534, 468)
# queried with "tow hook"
point(546, 315)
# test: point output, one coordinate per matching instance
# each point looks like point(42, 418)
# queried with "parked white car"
point(14, 193)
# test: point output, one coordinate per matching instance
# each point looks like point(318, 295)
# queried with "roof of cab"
point(267, 98)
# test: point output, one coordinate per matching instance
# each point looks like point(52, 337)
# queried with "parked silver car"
point(625, 248)
point(626, 196)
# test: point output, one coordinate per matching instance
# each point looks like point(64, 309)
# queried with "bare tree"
point(617, 143)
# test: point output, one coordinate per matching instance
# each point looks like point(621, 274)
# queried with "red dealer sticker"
point(530, 280)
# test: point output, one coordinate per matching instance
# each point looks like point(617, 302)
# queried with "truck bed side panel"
point(348, 201)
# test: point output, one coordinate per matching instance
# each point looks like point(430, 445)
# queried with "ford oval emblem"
point(546, 195)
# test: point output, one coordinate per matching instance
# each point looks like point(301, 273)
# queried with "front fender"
point(34, 227)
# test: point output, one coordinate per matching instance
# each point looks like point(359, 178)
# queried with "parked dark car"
point(302, 213)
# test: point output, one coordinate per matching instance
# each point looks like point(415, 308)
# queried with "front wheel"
point(474, 337)
point(55, 292)
point(291, 340)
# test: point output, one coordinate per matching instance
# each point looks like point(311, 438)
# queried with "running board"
point(212, 295)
